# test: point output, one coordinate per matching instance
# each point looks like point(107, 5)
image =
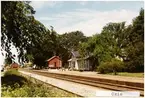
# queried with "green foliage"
point(19, 28)
point(35, 43)
point(29, 57)
point(53, 44)
point(112, 66)
point(71, 40)
point(98, 47)
point(12, 79)
point(83, 49)
point(27, 90)
point(8, 61)
point(15, 85)
point(11, 72)
point(114, 33)
point(118, 40)
point(135, 45)
point(68, 42)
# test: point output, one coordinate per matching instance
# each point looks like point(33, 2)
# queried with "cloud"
point(37, 4)
point(47, 18)
point(88, 21)
point(41, 4)
point(83, 3)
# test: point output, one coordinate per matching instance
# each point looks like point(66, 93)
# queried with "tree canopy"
point(118, 40)
point(35, 43)
point(19, 27)
point(135, 44)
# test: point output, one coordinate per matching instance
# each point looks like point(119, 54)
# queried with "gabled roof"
point(14, 65)
point(53, 58)
point(72, 59)
point(75, 54)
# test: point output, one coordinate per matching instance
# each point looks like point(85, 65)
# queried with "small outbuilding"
point(78, 63)
point(54, 62)
point(14, 66)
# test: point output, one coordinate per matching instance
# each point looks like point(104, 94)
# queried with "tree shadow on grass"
point(10, 80)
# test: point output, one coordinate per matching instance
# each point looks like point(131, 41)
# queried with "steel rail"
point(95, 82)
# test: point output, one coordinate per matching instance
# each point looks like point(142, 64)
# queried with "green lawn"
point(139, 75)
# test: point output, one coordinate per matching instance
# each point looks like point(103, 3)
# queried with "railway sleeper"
point(116, 83)
point(105, 86)
point(93, 82)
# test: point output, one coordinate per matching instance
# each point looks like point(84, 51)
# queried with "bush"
point(113, 66)
point(11, 72)
point(13, 79)
point(131, 66)
point(15, 85)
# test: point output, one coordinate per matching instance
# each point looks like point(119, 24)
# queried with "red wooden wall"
point(55, 63)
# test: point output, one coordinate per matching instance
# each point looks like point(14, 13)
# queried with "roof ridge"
point(52, 58)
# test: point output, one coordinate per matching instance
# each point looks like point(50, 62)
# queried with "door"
point(55, 64)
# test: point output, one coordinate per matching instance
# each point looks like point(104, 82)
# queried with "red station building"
point(54, 62)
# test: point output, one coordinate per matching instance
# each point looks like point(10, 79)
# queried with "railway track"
point(96, 82)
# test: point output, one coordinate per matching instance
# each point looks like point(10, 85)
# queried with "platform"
point(94, 74)
point(79, 89)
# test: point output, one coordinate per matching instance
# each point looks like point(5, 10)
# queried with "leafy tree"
point(8, 61)
point(97, 47)
point(40, 50)
point(19, 27)
point(117, 40)
point(83, 49)
point(69, 42)
point(135, 44)
point(34, 42)
point(115, 36)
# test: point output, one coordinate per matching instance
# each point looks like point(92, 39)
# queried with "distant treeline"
point(36, 43)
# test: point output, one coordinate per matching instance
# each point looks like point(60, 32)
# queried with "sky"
point(86, 16)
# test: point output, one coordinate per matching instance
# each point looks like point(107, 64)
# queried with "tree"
point(19, 27)
point(97, 48)
point(8, 61)
point(135, 44)
point(41, 50)
point(69, 42)
point(105, 46)
point(115, 36)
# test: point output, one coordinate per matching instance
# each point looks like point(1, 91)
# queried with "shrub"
point(15, 85)
point(13, 79)
point(11, 72)
point(113, 66)
point(131, 66)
